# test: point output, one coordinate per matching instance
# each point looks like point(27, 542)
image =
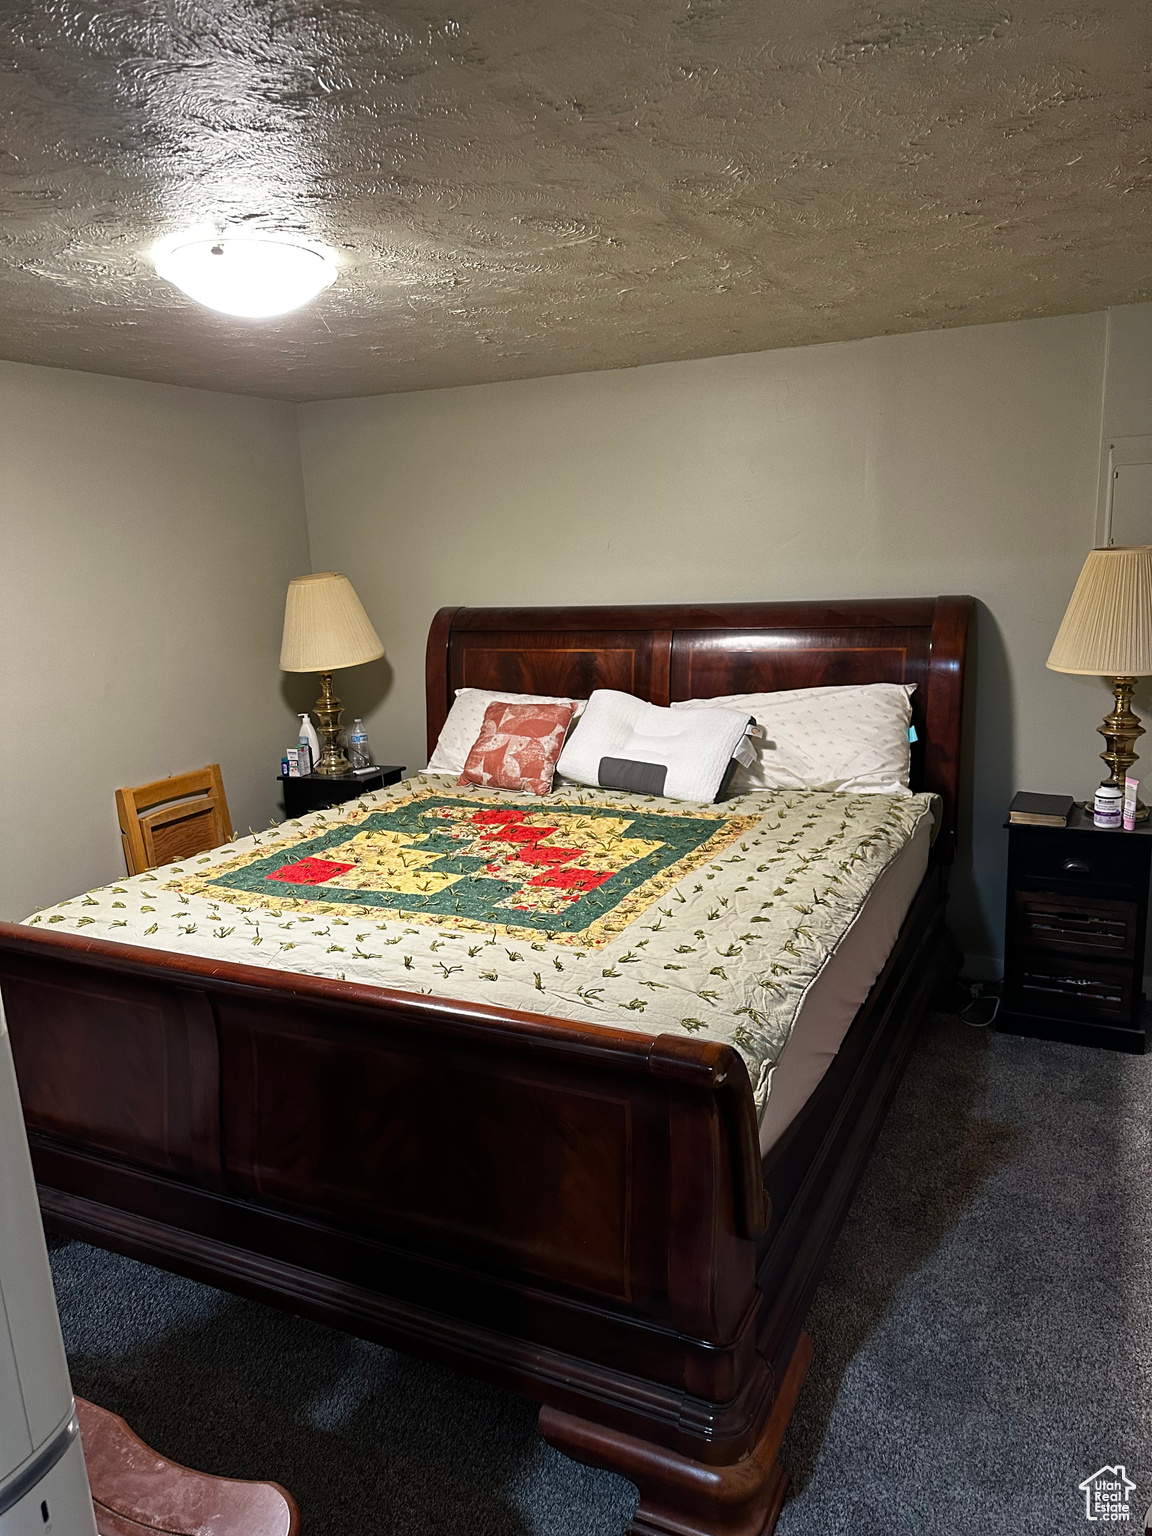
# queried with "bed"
point(586, 1209)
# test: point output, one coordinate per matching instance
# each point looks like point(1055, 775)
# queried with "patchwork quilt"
point(651, 914)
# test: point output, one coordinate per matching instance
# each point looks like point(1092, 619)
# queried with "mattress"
point(645, 914)
point(840, 987)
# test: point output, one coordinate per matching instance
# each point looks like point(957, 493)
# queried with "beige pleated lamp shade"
point(325, 626)
point(1107, 630)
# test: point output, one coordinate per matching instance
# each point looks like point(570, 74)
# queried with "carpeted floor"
point(983, 1342)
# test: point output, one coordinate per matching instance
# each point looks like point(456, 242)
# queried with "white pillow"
point(467, 716)
point(853, 739)
point(623, 743)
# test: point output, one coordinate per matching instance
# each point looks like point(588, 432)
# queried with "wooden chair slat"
point(173, 818)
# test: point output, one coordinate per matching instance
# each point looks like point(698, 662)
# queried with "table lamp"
point(325, 628)
point(1107, 632)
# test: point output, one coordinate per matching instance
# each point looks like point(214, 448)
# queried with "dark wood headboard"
point(686, 651)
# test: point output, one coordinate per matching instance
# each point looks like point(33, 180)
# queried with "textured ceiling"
point(526, 187)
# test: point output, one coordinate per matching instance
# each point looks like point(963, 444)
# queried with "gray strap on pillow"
point(635, 777)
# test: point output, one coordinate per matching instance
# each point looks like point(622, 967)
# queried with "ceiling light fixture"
point(253, 275)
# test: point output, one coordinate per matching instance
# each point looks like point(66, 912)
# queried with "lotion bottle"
point(1131, 792)
point(309, 739)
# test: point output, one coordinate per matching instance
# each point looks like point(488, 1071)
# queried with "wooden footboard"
point(525, 1178)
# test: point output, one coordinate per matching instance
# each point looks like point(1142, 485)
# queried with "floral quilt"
point(651, 914)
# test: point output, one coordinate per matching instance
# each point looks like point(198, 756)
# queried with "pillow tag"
point(745, 753)
point(912, 736)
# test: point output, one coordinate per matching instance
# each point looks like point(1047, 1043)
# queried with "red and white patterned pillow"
point(517, 747)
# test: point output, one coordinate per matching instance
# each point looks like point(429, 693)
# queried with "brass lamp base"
point(1120, 729)
point(328, 712)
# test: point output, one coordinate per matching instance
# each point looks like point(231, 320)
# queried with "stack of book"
point(1040, 810)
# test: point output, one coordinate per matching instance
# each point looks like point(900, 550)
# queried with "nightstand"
point(321, 791)
point(1074, 933)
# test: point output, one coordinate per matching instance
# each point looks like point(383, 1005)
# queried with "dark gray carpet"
point(983, 1341)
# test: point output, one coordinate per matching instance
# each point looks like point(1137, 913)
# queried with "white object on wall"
point(1125, 499)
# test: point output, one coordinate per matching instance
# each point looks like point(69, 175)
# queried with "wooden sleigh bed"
point(579, 1212)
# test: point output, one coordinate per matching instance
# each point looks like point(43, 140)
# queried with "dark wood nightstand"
point(321, 791)
point(1074, 933)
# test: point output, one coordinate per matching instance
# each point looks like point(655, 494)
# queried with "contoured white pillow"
point(467, 716)
point(852, 739)
point(623, 743)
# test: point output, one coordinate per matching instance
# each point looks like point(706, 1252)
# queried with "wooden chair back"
point(173, 818)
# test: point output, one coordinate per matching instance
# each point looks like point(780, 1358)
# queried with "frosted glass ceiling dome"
point(253, 275)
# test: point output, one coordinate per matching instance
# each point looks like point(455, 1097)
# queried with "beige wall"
point(147, 534)
point(953, 461)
